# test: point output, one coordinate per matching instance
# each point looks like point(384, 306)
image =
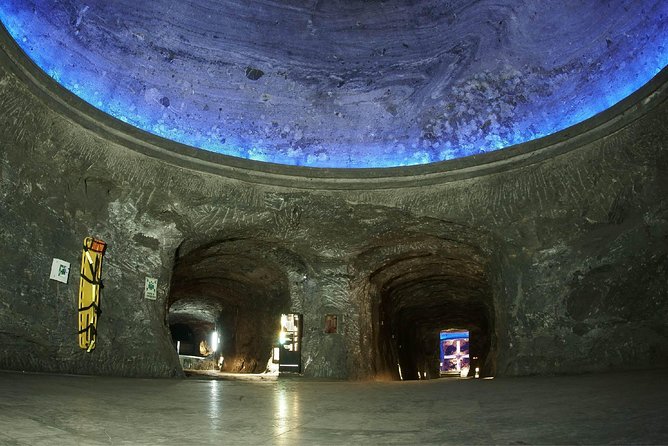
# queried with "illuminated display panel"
point(347, 87)
point(454, 351)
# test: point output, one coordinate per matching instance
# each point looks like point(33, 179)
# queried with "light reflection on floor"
point(287, 413)
point(214, 400)
point(622, 408)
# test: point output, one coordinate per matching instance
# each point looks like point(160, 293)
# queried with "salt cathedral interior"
point(333, 222)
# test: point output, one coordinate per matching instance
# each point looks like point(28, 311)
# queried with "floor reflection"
point(286, 413)
point(214, 400)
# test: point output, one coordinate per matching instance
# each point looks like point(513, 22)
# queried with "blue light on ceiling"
point(489, 107)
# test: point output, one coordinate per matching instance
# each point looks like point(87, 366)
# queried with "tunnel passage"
point(193, 321)
point(233, 288)
point(419, 293)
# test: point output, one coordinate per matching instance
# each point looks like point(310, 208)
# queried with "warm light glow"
point(286, 415)
point(282, 337)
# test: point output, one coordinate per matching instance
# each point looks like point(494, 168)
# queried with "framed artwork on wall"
point(331, 323)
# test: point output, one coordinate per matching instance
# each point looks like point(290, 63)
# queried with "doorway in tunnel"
point(288, 352)
point(225, 305)
point(420, 296)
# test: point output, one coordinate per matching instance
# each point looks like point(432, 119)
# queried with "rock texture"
point(555, 256)
point(346, 83)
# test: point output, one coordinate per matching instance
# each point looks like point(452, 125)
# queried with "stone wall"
point(563, 244)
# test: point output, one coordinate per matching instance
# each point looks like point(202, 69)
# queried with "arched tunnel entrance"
point(419, 294)
point(231, 293)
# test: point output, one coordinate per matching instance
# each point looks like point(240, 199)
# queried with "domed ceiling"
point(346, 83)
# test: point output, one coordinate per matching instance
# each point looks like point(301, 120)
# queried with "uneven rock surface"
point(346, 83)
point(558, 263)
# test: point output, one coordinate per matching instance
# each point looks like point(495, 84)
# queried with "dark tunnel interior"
point(232, 288)
point(418, 295)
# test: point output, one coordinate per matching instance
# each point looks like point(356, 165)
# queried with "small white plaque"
point(151, 288)
point(60, 270)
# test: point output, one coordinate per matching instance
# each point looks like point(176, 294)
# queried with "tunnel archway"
point(238, 290)
point(420, 288)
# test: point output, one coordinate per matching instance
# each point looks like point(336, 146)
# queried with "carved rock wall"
point(567, 256)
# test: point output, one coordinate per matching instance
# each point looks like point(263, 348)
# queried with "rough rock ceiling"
point(346, 83)
point(226, 278)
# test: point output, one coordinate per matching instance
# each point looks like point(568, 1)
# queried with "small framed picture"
point(331, 323)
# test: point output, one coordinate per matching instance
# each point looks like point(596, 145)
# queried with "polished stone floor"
point(619, 408)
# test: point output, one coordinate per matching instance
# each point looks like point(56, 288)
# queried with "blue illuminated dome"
point(346, 83)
